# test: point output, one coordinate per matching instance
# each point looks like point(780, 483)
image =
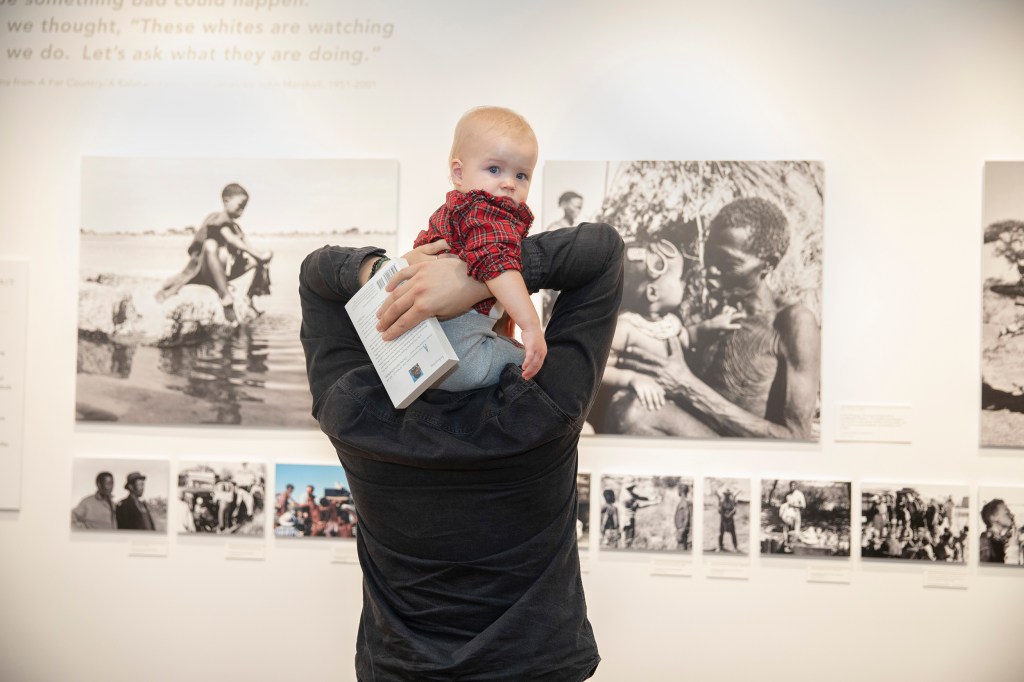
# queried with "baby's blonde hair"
point(488, 121)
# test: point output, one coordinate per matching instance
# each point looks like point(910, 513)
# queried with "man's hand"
point(671, 371)
point(434, 285)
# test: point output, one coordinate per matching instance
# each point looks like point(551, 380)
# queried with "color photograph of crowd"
point(324, 508)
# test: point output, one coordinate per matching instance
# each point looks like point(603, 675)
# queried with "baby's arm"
point(492, 249)
point(510, 290)
point(725, 321)
point(648, 390)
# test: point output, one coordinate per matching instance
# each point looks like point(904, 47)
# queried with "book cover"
point(414, 361)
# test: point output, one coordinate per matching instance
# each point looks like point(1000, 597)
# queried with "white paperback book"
point(414, 361)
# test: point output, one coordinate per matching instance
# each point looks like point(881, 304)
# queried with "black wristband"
point(377, 265)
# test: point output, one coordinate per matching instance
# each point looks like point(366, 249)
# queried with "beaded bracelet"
point(377, 265)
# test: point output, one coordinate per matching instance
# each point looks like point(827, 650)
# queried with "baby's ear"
point(651, 292)
point(455, 171)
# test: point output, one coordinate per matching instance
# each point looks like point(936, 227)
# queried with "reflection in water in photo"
point(230, 374)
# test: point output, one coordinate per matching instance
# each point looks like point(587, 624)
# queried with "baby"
point(484, 220)
point(649, 316)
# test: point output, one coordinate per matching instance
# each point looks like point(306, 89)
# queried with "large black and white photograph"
point(188, 309)
point(313, 501)
point(1002, 276)
point(646, 513)
point(726, 516)
point(805, 518)
point(221, 498)
point(119, 494)
point(719, 331)
point(1001, 512)
point(915, 522)
point(583, 511)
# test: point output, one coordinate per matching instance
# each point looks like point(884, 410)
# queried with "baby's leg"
point(483, 354)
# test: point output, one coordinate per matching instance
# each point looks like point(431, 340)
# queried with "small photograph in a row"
point(313, 501)
point(805, 518)
point(915, 522)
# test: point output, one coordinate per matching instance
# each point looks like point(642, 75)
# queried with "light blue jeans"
point(482, 353)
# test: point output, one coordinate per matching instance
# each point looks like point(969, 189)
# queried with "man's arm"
point(78, 515)
point(328, 278)
point(799, 348)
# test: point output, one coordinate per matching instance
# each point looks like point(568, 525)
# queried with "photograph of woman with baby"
point(719, 329)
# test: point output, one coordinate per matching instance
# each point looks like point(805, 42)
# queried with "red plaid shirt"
point(484, 230)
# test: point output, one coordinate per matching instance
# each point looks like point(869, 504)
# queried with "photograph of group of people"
point(914, 522)
point(222, 497)
point(723, 265)
point(646, 513)
point(313, 501)
point(805, 518)
point(119, 494)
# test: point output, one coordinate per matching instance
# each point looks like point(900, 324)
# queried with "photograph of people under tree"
point(719, 327)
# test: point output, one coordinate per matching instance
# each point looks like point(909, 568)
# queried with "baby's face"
point(501, 165)
point(670, 286)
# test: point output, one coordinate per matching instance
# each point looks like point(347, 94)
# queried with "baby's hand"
point(650, 392)
point(536, 351)
point(727, 320)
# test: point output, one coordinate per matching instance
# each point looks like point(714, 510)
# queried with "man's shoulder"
point(795, 315)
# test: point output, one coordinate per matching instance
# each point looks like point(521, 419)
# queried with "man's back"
point(467, 501)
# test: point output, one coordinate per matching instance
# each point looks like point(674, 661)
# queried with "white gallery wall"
point(901, 101)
